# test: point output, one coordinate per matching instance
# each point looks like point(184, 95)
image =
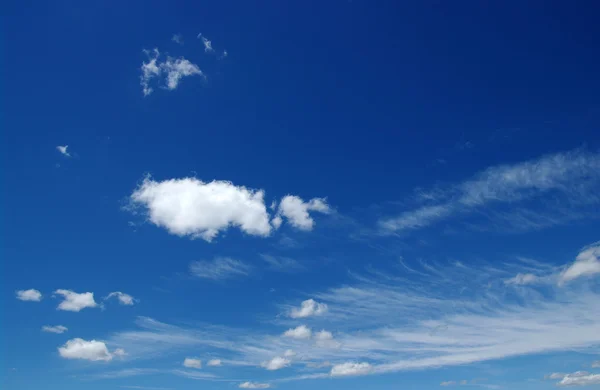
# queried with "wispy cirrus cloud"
point(429, 315)
point(219, 268)
point(573, 176)
point(170, 71)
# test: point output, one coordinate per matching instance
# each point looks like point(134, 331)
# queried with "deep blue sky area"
point(423, 165)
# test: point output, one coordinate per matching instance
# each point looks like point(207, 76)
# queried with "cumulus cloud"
point(301, 332)
point(296, 211)
point(276, 363)
point(172, 70)
point(214, 363)
point(350, 369)
point(86, 350)
point(254, 385)
point(219, 268)
point(587, 263)
point(124, 299)
point(308, 308)
point(31, 295)
point(190, 207)
point(54, 329)
point(74, 301)
point(192, 363)
point(63, 150)
point(574, 175)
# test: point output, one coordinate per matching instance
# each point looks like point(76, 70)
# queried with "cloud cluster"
point(170, 70)
point(193, 208)
point(88, 350)
point(30, 295)
point(276, 363)
point(301, 332)
point(74, 301)
point(350, 369)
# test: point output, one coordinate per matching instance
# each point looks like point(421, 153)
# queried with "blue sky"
point(334, 194)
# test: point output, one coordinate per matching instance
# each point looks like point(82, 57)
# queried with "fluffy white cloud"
point(219, 268)
point(348, 369)
point(192, 363)
point(214, 363)
point(31, 295)
point(87, 350)
point(190, 207)
point(276, 363)
point(172, 69)
point(74, 301)
point(580, 378)
point(119, 352)
point(124, 299)
point(308, 308)
point(587, 263)
point(254, 385)
point(295, 210)
point(325, 339)
point(54, 329)
point(302, 332)
point(63, 150)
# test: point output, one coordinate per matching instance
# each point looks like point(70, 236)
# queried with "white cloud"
point(190, 207)
point(302, 332)
point(580, 378)
point(150, 70)
point(574, 174)
point(178, 68)
point(283, 264)
point(254, 385)
point(295, 210)
point(31, 295)
point(87, 350)
point(276, 363)
point(119, 352)
point(323, 336)
point(522, 279)
point(192, 363)
point(74, 301)
point(587, 263)
point(556, 375)
point(177, 38)
point(54, 329)
point(309, 308)
point(219, 268)
point(348, 369)
point(124, 299)
point(214, 363)
point(289, 353)
point(596, 364)
point(172, 69)
point(448, 383)
point(63, 150)
point(207, 45)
